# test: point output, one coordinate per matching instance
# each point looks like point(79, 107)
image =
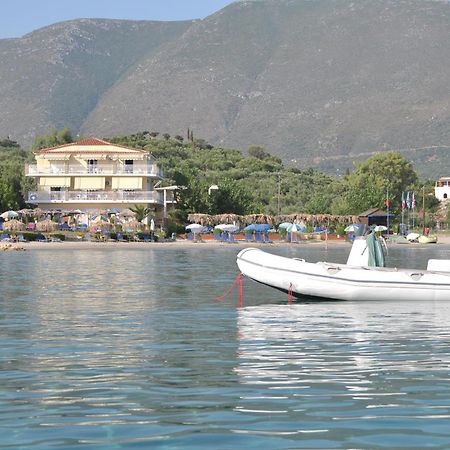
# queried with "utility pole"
point(423, 208)
point(279, 194)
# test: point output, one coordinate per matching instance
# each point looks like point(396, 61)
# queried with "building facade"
point(442, 189)
point(93, 174)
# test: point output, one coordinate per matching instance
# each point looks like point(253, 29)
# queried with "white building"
point(442, 189)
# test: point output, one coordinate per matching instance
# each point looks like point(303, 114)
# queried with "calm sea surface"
point(127, 349)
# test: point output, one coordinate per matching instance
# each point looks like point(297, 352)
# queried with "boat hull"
point(342, 282)
point(427, 239)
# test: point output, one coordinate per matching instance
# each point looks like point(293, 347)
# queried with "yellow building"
point(93, 174)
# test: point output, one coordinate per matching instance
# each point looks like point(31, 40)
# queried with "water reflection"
point(347, 369)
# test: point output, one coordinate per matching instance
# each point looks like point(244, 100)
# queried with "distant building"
point(442, 188)
point(93, 174)
point(375, 216)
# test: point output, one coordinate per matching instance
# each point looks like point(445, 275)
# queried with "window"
point(92, 166)
point(128, 166)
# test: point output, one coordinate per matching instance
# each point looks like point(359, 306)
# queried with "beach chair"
point(21, 238)
point(266, 238)
point(41, 238)
point(120, 238)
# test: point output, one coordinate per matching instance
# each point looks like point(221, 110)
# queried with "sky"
point(18, 17)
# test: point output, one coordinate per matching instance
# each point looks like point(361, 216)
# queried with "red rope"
point(290, 295)
point(237, 282)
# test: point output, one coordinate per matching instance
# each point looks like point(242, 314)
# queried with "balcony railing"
point(150, 170)
point(96, 197)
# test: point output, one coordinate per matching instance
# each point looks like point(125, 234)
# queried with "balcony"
point(93, 197)
point(148, 170)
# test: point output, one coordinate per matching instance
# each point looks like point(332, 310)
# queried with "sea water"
point(128, 348)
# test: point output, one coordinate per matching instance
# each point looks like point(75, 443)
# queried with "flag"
point(388, 202)
point(403, 201)
point(408, 201)
point(413, 201)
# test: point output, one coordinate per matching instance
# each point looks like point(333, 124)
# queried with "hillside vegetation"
point(246, 184)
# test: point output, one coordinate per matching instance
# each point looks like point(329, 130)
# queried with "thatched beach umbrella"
point(14, 225)
point(257, 218)
point(126, 213)
point(202, 219)
point(228, 218)
point(46, 225)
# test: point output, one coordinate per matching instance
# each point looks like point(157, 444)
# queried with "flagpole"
point(403, 213)
point(387, 206)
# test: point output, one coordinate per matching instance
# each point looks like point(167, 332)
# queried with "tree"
point(141, 212)
point(53, 139)
point(14, 185)
point(366, 188)
point(8, 143)
point(258, 152)
point(230, 197)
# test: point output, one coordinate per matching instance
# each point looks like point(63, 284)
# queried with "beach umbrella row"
point(207, 219)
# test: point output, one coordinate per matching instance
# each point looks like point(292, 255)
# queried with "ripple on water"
point(128, 349)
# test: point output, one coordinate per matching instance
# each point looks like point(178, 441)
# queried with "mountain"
point(55, 76)
point(317, 82)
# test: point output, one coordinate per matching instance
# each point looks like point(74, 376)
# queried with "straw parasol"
point(14, 225)
point(202, 219)
point(257, 218)
point(46, 225)
point(226, 218)
point(127, 213)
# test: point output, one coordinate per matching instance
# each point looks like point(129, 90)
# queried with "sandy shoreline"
point(74, 245)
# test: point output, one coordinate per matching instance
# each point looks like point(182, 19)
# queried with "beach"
point(443, 239)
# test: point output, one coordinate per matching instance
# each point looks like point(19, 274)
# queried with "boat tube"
point(356, 280)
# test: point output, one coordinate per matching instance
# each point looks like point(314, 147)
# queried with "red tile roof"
point(88, 142)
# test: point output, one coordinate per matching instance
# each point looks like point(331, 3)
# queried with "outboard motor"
point(367, 251)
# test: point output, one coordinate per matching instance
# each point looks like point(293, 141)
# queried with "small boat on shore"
point(427, 239)
point(362, 278)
